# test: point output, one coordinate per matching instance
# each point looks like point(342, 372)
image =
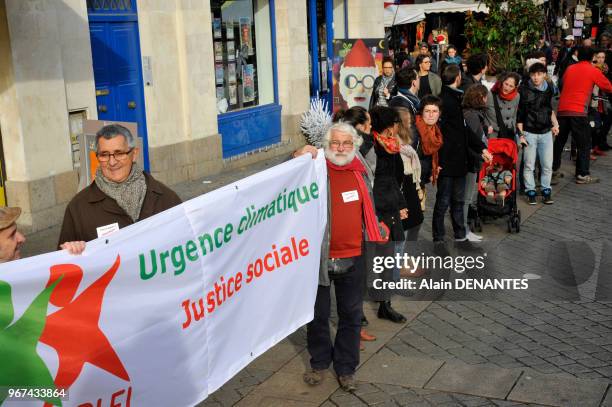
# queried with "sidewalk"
point(519, 351)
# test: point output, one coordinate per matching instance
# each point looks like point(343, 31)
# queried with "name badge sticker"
point(350, 196)
point(107, 230)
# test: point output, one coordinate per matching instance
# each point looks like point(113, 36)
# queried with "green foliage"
point(507, 33)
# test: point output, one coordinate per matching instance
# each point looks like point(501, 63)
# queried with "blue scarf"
point(453, 60)
point(542, 88)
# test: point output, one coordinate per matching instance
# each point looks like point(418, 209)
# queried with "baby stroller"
point(505, 156)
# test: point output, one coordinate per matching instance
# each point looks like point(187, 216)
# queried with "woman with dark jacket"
point(389, 201)
point(384, 86)
point(474, 108)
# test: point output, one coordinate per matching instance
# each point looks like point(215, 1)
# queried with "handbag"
point(336, 267)
point(504, 131)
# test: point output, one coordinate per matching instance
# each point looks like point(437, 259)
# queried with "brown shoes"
point(347, 383)
point(365, 336)
point(313, 377)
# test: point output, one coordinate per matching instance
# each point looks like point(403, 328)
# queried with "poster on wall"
point(231, 73)
point(231, 51)
point(220, 93)
point(324, 75)
point(218, 51)
point(229, 30)
point(356, 64)
point(217, 28)
point(219, 74)
point(233, 94)
point(248, 83)
point(246, 39)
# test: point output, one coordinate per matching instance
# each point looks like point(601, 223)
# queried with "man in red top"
point(578, 82)
point(351, 220)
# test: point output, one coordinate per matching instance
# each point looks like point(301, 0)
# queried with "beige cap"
point(8, 216)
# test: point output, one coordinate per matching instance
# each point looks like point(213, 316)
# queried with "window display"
point(242, 54)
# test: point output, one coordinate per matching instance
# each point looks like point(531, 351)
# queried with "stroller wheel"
point(517, 227)
point(510, 225)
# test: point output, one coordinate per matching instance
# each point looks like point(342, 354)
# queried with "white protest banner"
point(164, 312)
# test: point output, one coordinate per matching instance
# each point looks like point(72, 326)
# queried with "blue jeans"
point(542, 146)
point(451, 192)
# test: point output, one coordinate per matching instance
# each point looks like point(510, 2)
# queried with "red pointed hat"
point(359, 56)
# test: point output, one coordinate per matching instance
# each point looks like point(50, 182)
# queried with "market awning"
point(413, 13)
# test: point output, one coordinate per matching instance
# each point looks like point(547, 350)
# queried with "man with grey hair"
point(342, 261)
point(120, 195)
point(11, 239)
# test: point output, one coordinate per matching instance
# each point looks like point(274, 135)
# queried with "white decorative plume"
point(315, 122)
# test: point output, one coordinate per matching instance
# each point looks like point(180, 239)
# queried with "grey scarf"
point(129, 194)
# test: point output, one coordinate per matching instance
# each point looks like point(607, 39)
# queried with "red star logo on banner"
point(73, 330)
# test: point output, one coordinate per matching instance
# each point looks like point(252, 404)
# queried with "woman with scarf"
point(429, 142)
point(503, 106)
point(411, 182)
point(121, 194)
point(384, 86)
point(389, 201)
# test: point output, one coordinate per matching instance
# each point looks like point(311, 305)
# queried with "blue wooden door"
point(118, 76)
point(320, 36)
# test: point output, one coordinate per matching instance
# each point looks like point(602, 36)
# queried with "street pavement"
point(516, 349)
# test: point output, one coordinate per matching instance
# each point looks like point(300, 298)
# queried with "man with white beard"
point(342, 260)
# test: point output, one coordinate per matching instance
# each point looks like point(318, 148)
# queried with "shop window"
point(242, 44)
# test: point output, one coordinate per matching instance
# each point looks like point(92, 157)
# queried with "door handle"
point(102, 92)
point(102, 108)
point(131, 104)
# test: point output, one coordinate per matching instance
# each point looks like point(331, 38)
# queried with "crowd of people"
point(426, 126)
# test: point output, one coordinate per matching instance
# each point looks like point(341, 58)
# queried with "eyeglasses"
point(344, 144)
point(351, 81)
point(117, 155)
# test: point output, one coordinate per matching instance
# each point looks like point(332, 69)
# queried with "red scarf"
point(391, 144)
point(370, 220)
point(497, 89)
point(431, 142)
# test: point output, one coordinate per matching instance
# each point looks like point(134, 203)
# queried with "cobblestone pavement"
point(573, 337)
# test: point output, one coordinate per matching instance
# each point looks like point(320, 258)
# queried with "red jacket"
point(578, 82)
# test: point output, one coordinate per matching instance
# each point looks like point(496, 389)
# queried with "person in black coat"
point(476, 68)
point(407, 90)
point(384, 86)
point(454, 157)
point(389, 201)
